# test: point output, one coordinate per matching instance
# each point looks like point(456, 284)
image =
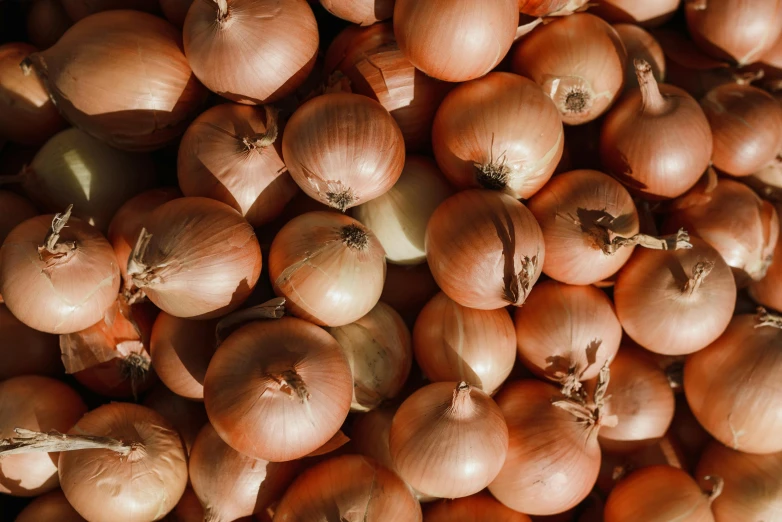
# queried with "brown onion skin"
point(39, 404)
point(47, 21)
point(227, 51)
point(352, 488)
point(14, 209)
point(362, 164)
point(555, 54)
point(563, 326)
point(44, 298)
point(475, 508)
point(771, 62)
point(676, 323)
point(733, 392)
point(768, 291)
point(27, 115)
point(188, 417)
point(175, 11)
point(734, 30)
point(455, 343)
point(24, 351)
point(477, 242)
point(641, 12)
point(407, 289)
point(658, 493)
point(640, 44)
point(752, 483)
point(552, 461)
point(51, 507)
point(746, 123)
point(538, 8)
point(219, 159)
point(483, 122)
point(100, 55)
point(247, 406)
point(362, 12)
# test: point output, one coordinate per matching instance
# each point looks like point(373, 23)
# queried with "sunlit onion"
point(362, 12)
point(475, 508)
point(648, 13)
point(24, 351)
point(51, 507)
point(187, 417)
point(47, 21)
point(14, 209)
point(641, 44)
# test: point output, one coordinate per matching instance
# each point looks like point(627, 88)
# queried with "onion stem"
point(51, 249)
point(699, 273)
point(461, 404)
point(716, 490)
point(222, 10)
point(591, 412)
point(272, 309)
point(28, 441)
point(766, 318)
point(653, 100)
point(292, 384)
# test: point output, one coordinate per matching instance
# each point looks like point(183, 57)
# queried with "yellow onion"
point(647, 13)
point(47, 21)
point(24, 351)
point(14, 209)
point(51, 507)
point(641, 45)
point(187, 417)
point(362, 12)
point(475, 508)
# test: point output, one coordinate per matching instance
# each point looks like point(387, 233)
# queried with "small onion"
point(768, 291)
point(14, 209)
point(343, 149)
point(656, 139)
point(641, 45)
point(350, 488)
point(78, 9)
point(251, 51)
point(578, 60)
point(482, 137)
point(399, 217)
point(378, 349)
point(278, 390)
point(485, 249)
point(121, 76)
point(47, 21)
point(27, 115)
point(732, 385)
point(362, 12)
point(58, 279)
point(647, 13)
point(455, 343)
point(201, 261)
point(231, 153)
point(675, 302)
point(475, 508)
point(41, 404)
point(51, 507)
point(24, 351)
point(187, 417)
point(175, 11)
point(455, 40)
point(407, 289)
point(329, 268)
point(746, 123)
point(567, 333)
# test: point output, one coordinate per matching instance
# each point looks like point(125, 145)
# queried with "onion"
point(733, 29)
point(481, 137)
point(278, 390)
point(175, 11)
point(485, 249)
point(733, 392)
point(735, 221)
point(27, 115)
point(641, 45)
point(567, 333)
point(752, 483)
point(747, 127)
point(229, 42)
point(378, 349)
point(47, 21)
point(231, 485)
point(675, 302)
point(399, 217)
point(78, 9)
point(407, 289)
point(24, 351)
point(768, 291)
point(767, 182)
point(230, 153)
point(543, 8)
point(51, 507)
point(349, 487)
point(688, 433)
point(371, 433)
point(75, 168)
point(121, 76)
point(616, 466)
point(329, 267)
point(187, 417)
point(656, 140)
point(362, 12)
point(201, 261)
point(57, 279)
point(475, 508)
point(642, 12)
point(658, 493)
point(34, 403)
point(14, 209)
point(188, 509)
point(455, 40)
point(362, 164)
point(578, 60)
point(771, 64)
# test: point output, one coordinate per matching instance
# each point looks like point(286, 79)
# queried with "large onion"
point(475, 508)
point(251, 51)
point(188, 417)
point(362, 12)
point(14, 209)
point(485, 249)
point(648, 13)
point(51, 507)
point(122, 77)
point(24, 351)
point(231, 153)
point(481, 139)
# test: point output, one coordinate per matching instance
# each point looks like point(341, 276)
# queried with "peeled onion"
point(641, 44)
point(647, 13)
point(14, 209)
point(475, 508)
point(188, 417)
point(768, 291)
point(24, 351)
point(361, 12)
point(47, 21)
point(51, 507)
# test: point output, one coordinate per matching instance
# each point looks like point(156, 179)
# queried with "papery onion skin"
point(141, 486)
point(175, 11)
point(455, 40)
point(41, 404)
point(27, 115)
point(475, 508)
point(768, 291)
point(361, 12)
point(329, 268)
point(407, 289)
point(47, 21)
point(399, 217)
point(188, 417)
point(752, 483)
point(362, 164)
point(481, 136)
point(640, 44)
point(746, 123)
point(579, 62)
point(231, 153)
point(734, 393)
point(51, 507)
point(642, 12)
point(24, 351)
point(14, 209)
point(658, 493)
point(278, 390)
point(455, 343)
point(540, 8)
point(485, 249)
point(563, 327)
point(228, 46)
point(46, 298)
point(656, 310)
point(121, 76)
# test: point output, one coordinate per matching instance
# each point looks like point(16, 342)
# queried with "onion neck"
point(699, 273)
point(494, 174)
point(462, 405)
point(28, 441)
point(223, 12)
point(262, 140)
point(271, 309)
point(653, 100)
point(293, 385)
point(590, 412)
point(354, 237)
point(140, 274)
point(766, 318)
point(53, 251)
point(340, 197)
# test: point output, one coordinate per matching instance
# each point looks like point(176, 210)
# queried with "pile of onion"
point(642, 12)
point(485, 249)
point(24, 351)
point(641, 45)
point(188, 417)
